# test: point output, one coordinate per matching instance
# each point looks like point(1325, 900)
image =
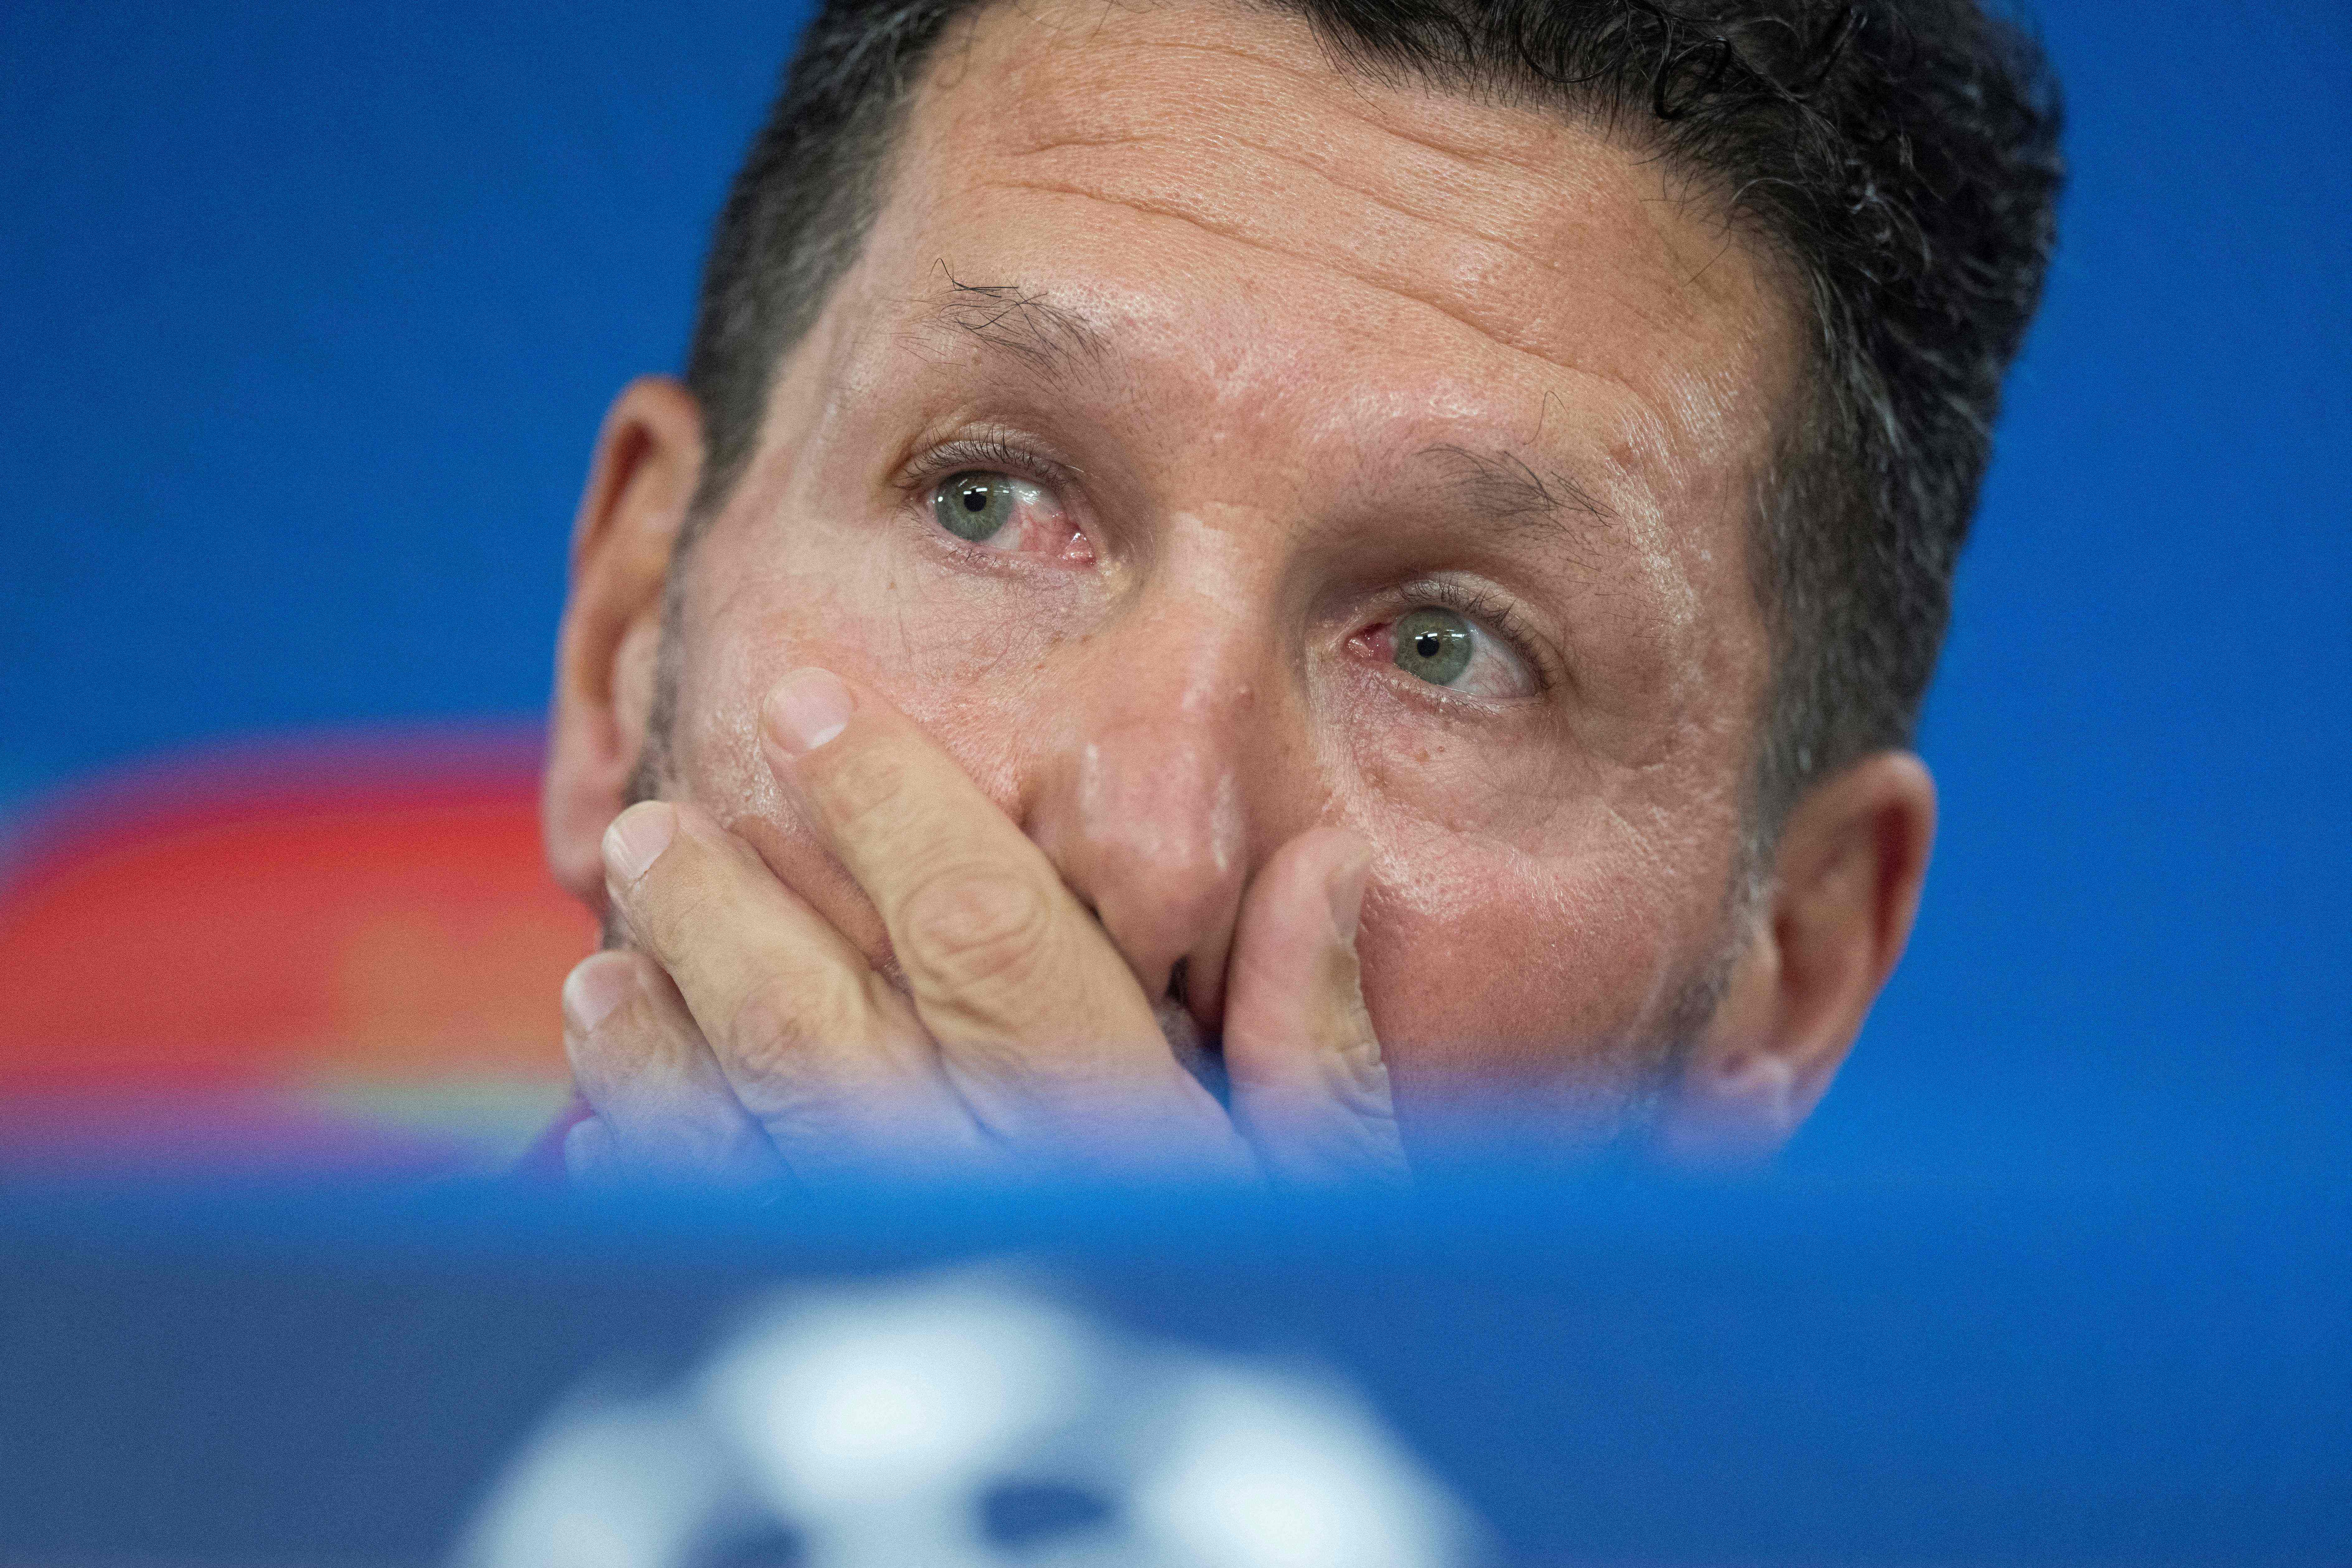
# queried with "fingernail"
point(1346, 887)
point(638, 838)
point(594, 987)
point(806, 709)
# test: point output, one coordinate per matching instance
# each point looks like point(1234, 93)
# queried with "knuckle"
point(666, 916)
point(983, 936)
point(674, 893)
point(619, 1048)
point(1360, 1080)
point(765, 1034)
point(862, 787)
point(782, 1021)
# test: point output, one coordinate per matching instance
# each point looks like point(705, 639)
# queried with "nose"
point(1142, 800)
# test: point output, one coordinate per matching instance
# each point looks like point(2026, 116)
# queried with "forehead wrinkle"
point(1364, 87)
point(1456, 244)
point(1658, 423)
point(1528, 162)
point(1420, 214)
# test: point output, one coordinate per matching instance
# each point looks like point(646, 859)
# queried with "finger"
point(664, 1110)
point(814, 1044)
point(1310, 1090)
point(591, 1156)
point(1037, 1014)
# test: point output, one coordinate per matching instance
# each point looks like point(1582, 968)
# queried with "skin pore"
point(1209, 447)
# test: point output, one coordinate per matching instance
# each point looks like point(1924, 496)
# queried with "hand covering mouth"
point(1199, 1050)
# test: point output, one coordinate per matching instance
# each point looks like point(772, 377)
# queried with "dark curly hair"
point(1898, 158)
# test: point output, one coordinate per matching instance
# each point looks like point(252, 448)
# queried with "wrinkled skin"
point(1279, 355)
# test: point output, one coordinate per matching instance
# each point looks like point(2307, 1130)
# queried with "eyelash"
point(999, 453)
point(993, 453)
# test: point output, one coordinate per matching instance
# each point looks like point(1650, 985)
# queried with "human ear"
point(1846, 876)
point(649, 460)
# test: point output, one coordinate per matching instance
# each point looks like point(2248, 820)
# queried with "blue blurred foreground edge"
point(1516, 1366)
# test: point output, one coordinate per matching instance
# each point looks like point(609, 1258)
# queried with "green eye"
point(974, 506)
point(1433, 644)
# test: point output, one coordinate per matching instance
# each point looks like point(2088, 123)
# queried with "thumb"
point(1309, 1090)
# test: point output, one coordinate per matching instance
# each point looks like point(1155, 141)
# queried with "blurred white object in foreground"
point(960, 1420)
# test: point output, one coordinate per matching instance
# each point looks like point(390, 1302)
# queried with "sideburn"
point(651, 778)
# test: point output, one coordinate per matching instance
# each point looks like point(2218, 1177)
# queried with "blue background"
point(309, 314)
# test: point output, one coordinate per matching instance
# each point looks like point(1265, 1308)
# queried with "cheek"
point(1441, 778)
point(840, 597)
point(850, 615)
point(1485, 966)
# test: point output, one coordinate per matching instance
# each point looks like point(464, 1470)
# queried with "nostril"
point(1176, 983)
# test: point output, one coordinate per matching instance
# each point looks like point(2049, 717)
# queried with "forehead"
point(1201, 178)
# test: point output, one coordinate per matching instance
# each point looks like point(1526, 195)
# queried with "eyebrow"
point(1050, 338)
point(1501, 486)
point(1496, 485)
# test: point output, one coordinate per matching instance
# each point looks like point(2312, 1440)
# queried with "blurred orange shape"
point(363, 929)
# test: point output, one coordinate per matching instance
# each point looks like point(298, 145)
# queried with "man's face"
point(1209, 445)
